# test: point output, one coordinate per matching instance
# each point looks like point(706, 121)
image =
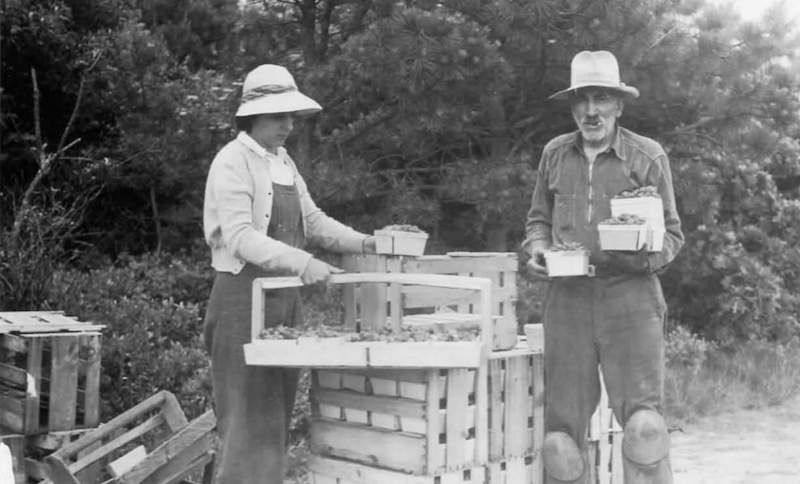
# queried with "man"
point(616, 317)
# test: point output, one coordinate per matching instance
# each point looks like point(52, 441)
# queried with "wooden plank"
point(63, 383)
point(516, 408)
point(481, 413)
point(127, 461)
point(34, 386)
point(12, 376)
point(617, 474)
point(91, 401)
point(11, 414)
point(537, 377)
point(402, 407)
point(15, 343)
point(343, 472)
point(457, 404)
point(432, 417)
point(373, 446)
point(496, 412)
point(317, 352)
point(396, 306)
point(603, 460)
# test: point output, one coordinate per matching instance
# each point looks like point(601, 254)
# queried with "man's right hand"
point(318, 272)
point(537, 263)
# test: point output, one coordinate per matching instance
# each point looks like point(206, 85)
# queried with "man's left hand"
point(635, 262)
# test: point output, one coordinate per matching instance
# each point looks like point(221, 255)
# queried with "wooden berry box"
point(429, 422)
point(339, 353)
point(49, 373)
point(499, 267)
point(399, 242)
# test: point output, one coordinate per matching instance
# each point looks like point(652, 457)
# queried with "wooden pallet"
point(605, 444)
point(523, 470)
point(49, 382)
point(428, 422)
point(43, 322)
point(339, 353)
point(498, 267)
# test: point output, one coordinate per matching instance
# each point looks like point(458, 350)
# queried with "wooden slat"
point(12, 415)
point(457, 404)
point(617, 474)
point(13, 376)
point(339, 354)
point(34, 369)
point(432, 416)
point(537, 377)
point(369, 403)
point(377, 447)
point(481, 413)
point(64, 383)
point(496, 411)
point(12, 342)
point(516, 408)
point(91, 371)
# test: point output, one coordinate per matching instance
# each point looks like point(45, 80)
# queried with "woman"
point(258, 217)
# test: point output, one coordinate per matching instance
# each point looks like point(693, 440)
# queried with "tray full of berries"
point(400, 239)
point(623, 232)
point(399, 341)
point(567, 259)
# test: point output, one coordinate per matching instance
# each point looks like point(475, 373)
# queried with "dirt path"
point(744, 447)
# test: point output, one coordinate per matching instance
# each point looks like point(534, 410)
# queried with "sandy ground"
point(759, 446)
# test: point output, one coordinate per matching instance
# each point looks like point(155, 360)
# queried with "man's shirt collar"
point(616, 143)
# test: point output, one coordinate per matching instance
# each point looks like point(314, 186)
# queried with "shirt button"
point(267, 215)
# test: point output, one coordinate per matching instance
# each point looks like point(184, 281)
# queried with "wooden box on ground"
point(151, 443)
point(49, 373)
point(499, 267)
point(431, 422)
point(605, 444)
point(341, 353)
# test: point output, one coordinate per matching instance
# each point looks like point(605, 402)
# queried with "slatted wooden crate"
point(523, 470)
point(49, 373)
point(605, 444)
point(28, 450)
point(431, 422)
point(342, 353)
point(499, 267)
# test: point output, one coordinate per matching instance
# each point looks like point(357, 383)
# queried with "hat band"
point(262, 91)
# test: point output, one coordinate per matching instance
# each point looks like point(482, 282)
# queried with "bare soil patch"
point(758, 446)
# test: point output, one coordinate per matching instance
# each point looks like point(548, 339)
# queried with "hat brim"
point(629, 91)
point(286, 102)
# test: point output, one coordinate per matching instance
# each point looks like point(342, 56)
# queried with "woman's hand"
point(318, 272)
point(368, 245)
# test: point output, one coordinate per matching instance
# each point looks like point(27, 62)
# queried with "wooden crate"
point(27, 452)
point(150, 443)
point(522, 470)
point(49, 381)
point(499, 267)
point(339, 353)
point(429, 422)
point(605, 444)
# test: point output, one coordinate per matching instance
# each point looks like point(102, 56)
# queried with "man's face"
point(595, 111)
point(271, 130)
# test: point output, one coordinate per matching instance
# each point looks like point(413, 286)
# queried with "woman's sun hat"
point(595, 69)
point(270, 89)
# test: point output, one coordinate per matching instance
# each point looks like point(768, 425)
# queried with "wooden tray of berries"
point(391, 344)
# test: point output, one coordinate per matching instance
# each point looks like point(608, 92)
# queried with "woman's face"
point(271, 130)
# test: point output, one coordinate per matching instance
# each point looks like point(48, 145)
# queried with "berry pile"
point(566, 247)
point(647, 191)
point(402, 228)
point(625, 219)
point(385, 334)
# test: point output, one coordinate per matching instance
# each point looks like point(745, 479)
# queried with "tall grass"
point(704, 379)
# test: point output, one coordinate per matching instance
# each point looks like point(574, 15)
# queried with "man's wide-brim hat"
point(595, 69)
point(270, 89)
